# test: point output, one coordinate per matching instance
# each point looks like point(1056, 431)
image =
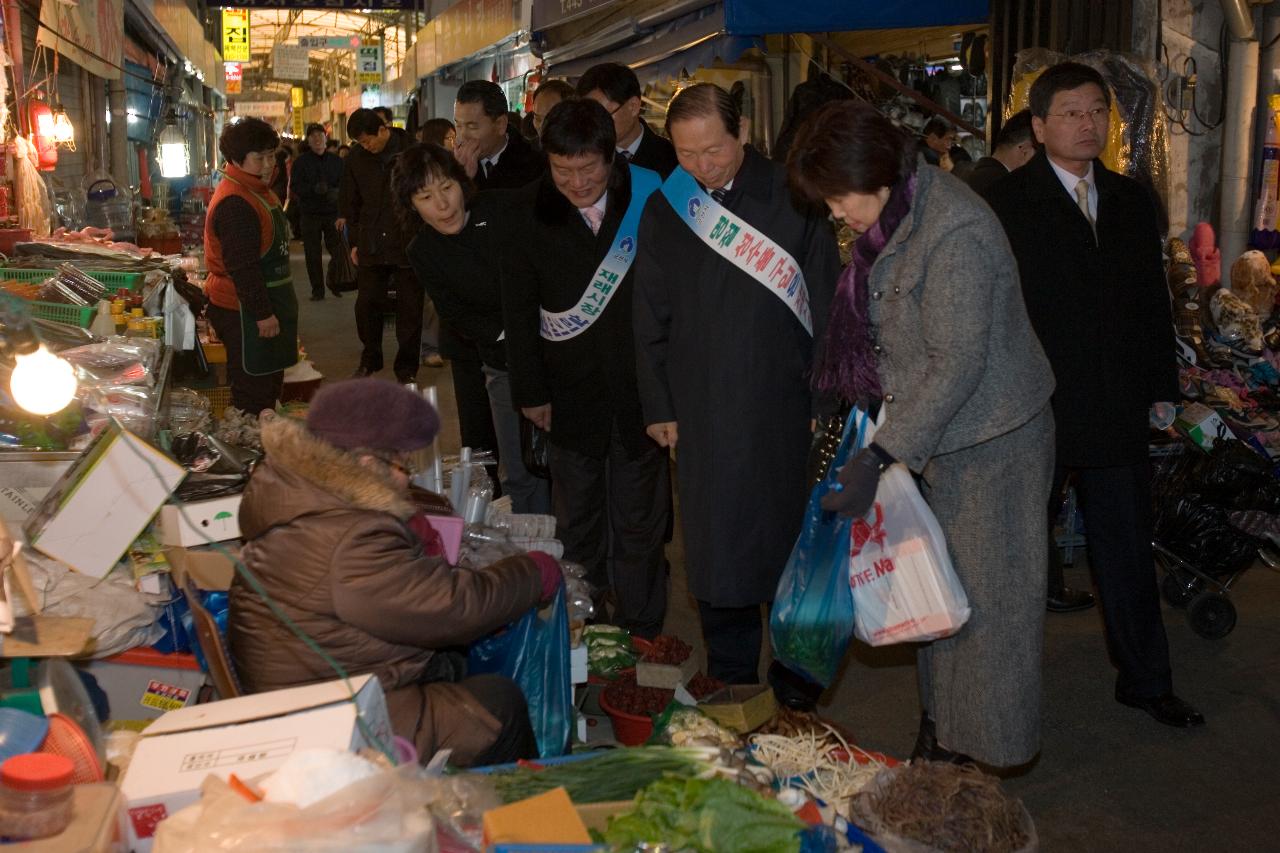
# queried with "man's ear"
point(503, 120)
point(744, 130)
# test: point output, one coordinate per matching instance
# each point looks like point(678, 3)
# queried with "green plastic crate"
point(72, 315)
point(113, 279)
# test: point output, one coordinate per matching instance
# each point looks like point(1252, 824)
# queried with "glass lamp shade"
point(174, 155)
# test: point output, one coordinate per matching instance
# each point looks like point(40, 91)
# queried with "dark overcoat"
point(655, 152)
point(1099, 305)
point(729, 362)
point(549, 260)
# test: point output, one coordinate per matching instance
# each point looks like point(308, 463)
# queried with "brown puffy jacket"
point(326, 537)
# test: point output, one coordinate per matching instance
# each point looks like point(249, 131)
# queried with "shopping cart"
point(1202, 553)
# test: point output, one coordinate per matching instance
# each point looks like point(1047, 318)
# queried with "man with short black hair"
point(616, 88)
point(379, 238)
point(547, 95)
point(314, 182)
point(1015, 146)
point(1088, 246)
point(386, 115)
point(494, 155)
point(567, 307)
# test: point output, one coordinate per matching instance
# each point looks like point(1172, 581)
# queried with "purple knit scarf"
point(846, 364)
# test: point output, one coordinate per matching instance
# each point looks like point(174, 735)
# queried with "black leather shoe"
point(1167, 709)
point(792, 689)
point(362, 371)
point(1067, 600)
point(337, 294)
point(317, 297)
point(928, 749)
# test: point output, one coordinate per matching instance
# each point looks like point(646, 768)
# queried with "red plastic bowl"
point(629, 729)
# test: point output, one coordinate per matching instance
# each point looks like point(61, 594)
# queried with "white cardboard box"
point(578, 664)
point(248, 736)
point(103, 502)
point(217, 519)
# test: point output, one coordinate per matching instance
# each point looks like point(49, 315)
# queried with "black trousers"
point(249, 393)
point(611, 515)
point(475, 419)
point(372, 300)
point(1116, 502)
point(314, 229)
point(733, 636)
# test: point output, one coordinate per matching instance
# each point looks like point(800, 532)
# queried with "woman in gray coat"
point(929, 322)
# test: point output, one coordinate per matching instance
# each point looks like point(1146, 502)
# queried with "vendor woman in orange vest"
point(246, 243)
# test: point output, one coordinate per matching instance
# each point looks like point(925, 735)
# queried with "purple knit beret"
point(372, 413)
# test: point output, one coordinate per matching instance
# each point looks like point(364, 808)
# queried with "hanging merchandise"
point(40, 116)
point(34, 206)
point(1265, 234)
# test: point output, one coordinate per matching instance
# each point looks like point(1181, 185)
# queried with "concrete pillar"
point(119, 132)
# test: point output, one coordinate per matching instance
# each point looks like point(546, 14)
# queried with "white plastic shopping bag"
point(904, 586)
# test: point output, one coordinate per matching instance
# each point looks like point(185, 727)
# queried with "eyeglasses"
point(1077, 116)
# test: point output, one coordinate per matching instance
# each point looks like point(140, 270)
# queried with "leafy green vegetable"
point(706, 816)
point(614, 775)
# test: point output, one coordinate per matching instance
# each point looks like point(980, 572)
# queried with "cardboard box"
point(665, 675)
point(741, 707)
point(248, 736)
point(547, 818)
point(1202, 425)
point(97, 825)
point(208, 567)
point(103, 502)
point(217, 519)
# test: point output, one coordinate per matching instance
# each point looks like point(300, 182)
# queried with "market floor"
point(1109, 777)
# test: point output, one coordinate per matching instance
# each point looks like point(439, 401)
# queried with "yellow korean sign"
point(298, 124)
point(235, 35)
point(299, 97)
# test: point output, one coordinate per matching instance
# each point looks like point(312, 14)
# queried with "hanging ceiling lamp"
point(64, 134)
point(174, 153)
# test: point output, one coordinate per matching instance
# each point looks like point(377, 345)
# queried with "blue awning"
point(760, 17)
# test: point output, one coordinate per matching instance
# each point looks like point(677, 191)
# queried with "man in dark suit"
point(496, 157)
point(577, 379)
point(1088, 250)
point(616, 88)
point(1015, 145)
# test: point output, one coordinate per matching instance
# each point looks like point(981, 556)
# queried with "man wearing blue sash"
point(566, 293)
point(732, 286)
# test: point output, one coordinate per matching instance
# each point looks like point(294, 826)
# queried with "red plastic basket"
point(629, 729)
point(67, 739)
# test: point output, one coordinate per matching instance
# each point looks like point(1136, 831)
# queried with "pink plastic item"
point(450, 529)
point(1206, 256)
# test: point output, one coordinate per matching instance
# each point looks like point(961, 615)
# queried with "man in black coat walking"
point(316, 176)
point(495, 156)
point(1088, 250)
point(616, 88)
point(379, 238)
point(567, 307)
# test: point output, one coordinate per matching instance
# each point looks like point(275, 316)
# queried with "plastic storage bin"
point(113, 279)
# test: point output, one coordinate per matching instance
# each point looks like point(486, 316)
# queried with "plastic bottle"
point(104, 325)
point(479, 495)
point(35, 795)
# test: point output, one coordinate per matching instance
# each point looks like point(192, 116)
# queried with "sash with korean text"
point(562, 325)
point(741, 244)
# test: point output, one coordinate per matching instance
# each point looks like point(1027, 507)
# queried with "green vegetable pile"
point(609, 650)
point(705, 816)
point(614, 775)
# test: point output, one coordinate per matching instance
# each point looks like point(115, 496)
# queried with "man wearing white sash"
point(566, 293)
point(732, 283)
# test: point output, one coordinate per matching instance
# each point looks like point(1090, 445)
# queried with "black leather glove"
point(856, 482)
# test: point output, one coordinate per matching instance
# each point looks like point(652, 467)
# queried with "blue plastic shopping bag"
point(812, 618)
point(534, 653)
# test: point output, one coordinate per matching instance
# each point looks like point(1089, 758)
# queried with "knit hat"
point(372, 413)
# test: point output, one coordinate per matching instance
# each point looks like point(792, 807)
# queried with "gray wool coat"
point(966, 395)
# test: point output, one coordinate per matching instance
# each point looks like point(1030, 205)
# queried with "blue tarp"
point(760, 17)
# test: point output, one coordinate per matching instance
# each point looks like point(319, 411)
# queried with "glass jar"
point(35, 795)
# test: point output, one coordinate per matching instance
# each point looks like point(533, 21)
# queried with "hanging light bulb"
point(42, 383)
point(175, 158)
point(64, 134)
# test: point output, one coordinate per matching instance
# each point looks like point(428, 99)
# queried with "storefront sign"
point(290, 62)
point(407, 5)
point(325, 42)
point(466, 27)
point(89, 34)
point(369, 64)
point(298, 97)
point(550, 13)
point(235, 35)
point(261, 109)
point(234, 73)
point(299, 125)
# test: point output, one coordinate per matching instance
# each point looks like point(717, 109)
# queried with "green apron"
point(264, 356)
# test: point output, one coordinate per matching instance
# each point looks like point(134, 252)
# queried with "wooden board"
point(46, 636)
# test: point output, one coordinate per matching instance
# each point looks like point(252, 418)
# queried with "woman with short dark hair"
point(438, 131)
point(928, 321)
point(455, 257)
point(252, 306)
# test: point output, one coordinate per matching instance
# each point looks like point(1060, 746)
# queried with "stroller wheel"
point(1212, 615)
point(1175, 591)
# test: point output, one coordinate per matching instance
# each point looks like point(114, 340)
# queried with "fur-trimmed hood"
point(303, 475)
